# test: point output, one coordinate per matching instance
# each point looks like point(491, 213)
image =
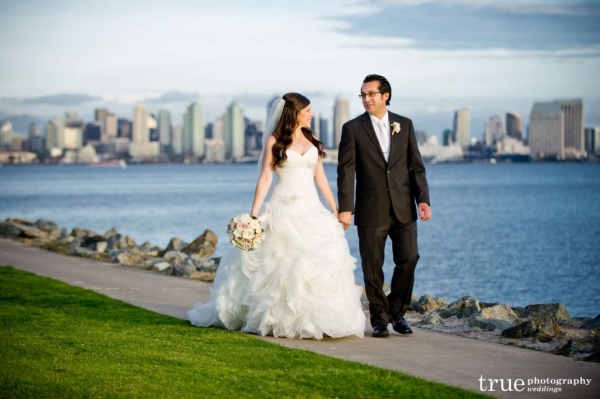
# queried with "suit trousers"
point(405, 254)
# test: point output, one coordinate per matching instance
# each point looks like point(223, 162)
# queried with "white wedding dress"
point(300, 282)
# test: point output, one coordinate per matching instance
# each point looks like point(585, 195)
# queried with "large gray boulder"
point(75, 249)
point(132, 257)
point(176, 244)
point(433, 318)
point(110, 232)
point(206, 265)
point(18, 228)
point(544, 329)
point(48, 226)
point(555, 310)
point(593, 324)
point(175, 257)
point(21, 221)
point(498, 317)
point(119, 241)
point(430, 302)
point(463, 307)
point(81, 233)
point(91, 240)
point(203, 246)
point(160, 266)
point(99, 246)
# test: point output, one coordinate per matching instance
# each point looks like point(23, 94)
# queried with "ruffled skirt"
point(298, 284)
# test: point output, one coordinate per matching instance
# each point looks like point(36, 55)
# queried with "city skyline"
point(204, 52)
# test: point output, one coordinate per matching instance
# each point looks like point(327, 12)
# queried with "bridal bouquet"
point(245, 232)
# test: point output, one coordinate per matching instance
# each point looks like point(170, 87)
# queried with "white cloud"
point(130, 51)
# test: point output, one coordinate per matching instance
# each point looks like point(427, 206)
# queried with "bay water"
point(507, 233)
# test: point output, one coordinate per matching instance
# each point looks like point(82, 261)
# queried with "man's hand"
point(345, 218)
point(424, 211)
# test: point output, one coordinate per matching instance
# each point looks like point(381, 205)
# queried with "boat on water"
point(113, 163)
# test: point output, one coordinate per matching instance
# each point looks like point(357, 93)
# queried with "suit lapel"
point(394, 140)
point(368, 127)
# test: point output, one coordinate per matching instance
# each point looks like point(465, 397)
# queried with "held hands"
point(424, 211)
point(345, 218)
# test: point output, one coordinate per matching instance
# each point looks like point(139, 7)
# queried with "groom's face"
point(374, 100)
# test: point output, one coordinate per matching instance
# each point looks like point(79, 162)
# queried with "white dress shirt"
point(382, 130)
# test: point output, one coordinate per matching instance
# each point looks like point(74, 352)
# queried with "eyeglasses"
point(370, 95)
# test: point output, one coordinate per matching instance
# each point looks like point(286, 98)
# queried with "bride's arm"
point(265, 178)
point(323, 185)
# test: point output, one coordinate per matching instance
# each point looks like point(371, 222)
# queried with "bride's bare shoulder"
point(270, 141)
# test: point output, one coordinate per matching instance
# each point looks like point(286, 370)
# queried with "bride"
point(299, 283)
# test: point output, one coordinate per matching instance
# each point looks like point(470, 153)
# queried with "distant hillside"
point(20, 123)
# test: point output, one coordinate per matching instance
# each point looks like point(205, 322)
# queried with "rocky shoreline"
point(544, 327)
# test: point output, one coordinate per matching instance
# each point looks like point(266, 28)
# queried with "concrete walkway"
point(431, 355)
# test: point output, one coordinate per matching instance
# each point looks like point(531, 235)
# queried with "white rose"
point(248, 234)
point(255, 224)
point(237, 233)
point(245, 218)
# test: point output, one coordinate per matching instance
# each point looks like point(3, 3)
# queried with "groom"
point(380, 148)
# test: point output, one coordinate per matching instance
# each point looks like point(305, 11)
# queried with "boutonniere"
point(395, 128)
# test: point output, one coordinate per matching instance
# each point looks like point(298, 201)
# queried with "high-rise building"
point(73, 120)
point(421, 137)
point(215, 147)
point(92, 133)
point(141, 131)
point(6, 134)
point(193, 131)
point(36, 141)
point(514, 125)
point(447, 137)
point(218, 129)
point(233, 129)
point(71, 116)
point(494, 131)
point(592, 140)
point(55, 130)
point(177, 140)
point(110, 127)
point(153, 128)
point(253, 136)
point(164, 127)
point(72, 138)
point(315, 125)
point(100, 113)
point(462, 127)
point(208, 131)
point(324, 132)
point(546, 131)
point(18, 143)
point(141, 146)
point(573, 124)
point(34, 130)
point(124, 128)
point(341, 115)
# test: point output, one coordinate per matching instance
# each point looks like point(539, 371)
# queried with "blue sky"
point(490, 56)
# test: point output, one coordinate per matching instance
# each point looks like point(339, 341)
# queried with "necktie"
point(384, 139)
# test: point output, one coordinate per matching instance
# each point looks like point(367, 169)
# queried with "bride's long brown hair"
point(294, 103)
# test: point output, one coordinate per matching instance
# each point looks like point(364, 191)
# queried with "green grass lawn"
point(62, 341)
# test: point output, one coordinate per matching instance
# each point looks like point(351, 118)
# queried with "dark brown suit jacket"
point(380, 186)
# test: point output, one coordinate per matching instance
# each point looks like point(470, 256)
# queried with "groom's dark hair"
point(384, 85)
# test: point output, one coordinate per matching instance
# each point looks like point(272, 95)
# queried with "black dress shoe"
point(400, 325)
point(380, 331)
